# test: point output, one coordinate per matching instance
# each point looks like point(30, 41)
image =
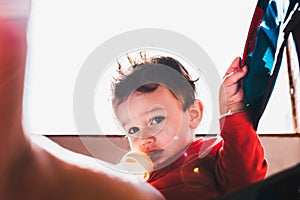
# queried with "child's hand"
point(231, 96)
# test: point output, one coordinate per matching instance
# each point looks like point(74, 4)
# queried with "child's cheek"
point(171, 133)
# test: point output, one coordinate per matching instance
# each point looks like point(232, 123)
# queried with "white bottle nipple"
point(137, 164)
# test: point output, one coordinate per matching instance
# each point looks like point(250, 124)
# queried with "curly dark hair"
point(148, 74)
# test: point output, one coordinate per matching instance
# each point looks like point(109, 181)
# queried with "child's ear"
point(195, 112)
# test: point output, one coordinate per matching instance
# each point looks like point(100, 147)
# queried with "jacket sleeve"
point(240, 161)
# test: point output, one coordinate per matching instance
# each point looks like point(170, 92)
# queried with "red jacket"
point(212, 167)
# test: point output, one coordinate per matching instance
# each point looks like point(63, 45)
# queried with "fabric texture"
point(261, 53)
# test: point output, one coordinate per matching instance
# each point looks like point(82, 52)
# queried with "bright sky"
point(63, 34)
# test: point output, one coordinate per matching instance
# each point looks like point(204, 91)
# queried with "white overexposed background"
point(63, 33)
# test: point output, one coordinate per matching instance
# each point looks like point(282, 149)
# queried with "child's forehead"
point(161, 99)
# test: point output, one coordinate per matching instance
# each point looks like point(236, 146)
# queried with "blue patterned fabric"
point(259, 54)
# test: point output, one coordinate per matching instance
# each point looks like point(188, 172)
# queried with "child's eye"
point(133, 130)
point(157, 120)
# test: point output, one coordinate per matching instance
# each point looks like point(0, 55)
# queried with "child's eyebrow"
point(153, 110)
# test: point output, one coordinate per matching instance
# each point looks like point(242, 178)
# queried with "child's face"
point(156, 124)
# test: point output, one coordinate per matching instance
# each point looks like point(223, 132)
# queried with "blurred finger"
point(15, 9)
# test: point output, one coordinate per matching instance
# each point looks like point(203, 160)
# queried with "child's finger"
point(235, 76)
point(235, 65)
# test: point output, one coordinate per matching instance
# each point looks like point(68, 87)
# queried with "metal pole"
point(293, 74)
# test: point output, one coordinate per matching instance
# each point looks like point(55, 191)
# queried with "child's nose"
point(146, 143)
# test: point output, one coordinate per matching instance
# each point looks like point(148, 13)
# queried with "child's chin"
point(161, 163)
